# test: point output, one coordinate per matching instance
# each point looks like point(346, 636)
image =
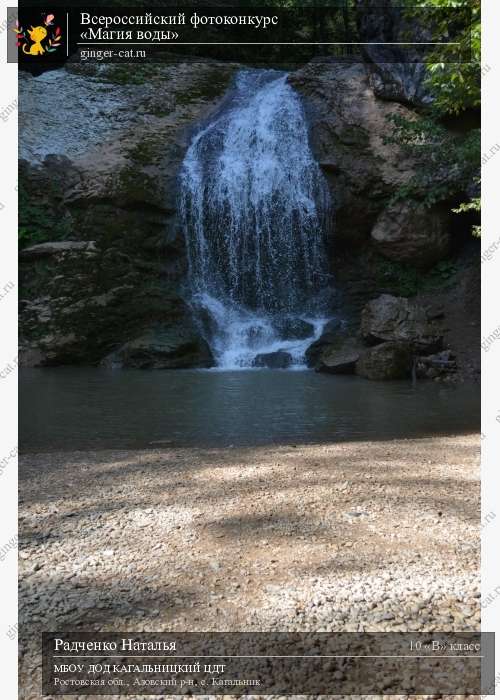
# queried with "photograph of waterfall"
point(249, 346)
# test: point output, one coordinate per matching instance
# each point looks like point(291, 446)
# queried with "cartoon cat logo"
point(40, 39)
point(37, 35)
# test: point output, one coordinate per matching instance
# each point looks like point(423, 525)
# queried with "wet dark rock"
point(412, 233)
point(171, 347)
point(329, 165)
point(332, 332)
point(42, 250)
point(205, 320)
point(396, 319)
point(386, 361)
point(340, 357)
point(294, 328)
point(394, 73)
point(437, 365)
point(400, 82)
point(273, 360)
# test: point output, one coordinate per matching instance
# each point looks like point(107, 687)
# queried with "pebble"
point(155, 559)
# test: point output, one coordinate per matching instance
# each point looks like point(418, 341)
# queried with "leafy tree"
point(456, 86)
point(447, 162)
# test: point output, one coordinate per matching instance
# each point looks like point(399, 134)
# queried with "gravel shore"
point(368, 536)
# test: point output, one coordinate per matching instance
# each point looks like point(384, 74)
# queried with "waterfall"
point(255, 209)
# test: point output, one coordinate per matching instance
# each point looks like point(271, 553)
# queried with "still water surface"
point(73, 409)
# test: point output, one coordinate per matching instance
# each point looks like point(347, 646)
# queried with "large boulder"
point(331, 334)
point(386, 361)
point(340, 358)
point(399, 82)
point(273, 360)
point(400, 320)
point(412, 233)
point(172, 347)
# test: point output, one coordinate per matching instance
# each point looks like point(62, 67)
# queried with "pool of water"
point(70, 409)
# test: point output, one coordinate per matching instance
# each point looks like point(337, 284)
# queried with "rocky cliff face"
point(348, 127)
point(393, 74)
point(99, 161)
point(98, 180)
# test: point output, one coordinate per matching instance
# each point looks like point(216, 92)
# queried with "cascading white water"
point(255, 209)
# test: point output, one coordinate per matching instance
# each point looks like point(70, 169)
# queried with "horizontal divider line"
point(271, 656)
point(269, 43)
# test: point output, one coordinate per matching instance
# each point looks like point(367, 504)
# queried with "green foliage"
point(442, 272)
point(38, 220)
point(456, 86)
point(473, 205)
point(445, 162)
point(30, 236)
point(397, 278)
point(406, 281)
point(145, 153)
point(122, 73)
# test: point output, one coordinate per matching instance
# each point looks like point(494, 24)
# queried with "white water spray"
point(255, 209)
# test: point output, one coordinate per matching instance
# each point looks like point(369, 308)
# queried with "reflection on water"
point(68, 408)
